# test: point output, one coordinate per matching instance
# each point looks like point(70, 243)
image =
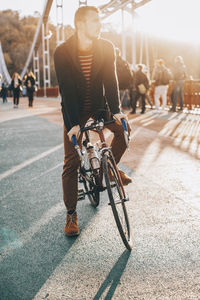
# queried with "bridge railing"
point(50, 92)
point(192, 93)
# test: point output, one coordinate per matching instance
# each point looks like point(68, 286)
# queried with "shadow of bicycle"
point(113, 278)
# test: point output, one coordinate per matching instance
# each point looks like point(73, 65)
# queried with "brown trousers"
point(72, 162)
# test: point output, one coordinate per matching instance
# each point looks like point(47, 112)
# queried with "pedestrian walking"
point(161, 76)
point(86, 73)
point(16, 86)
point(179, 76)
point(125, 79)
point(4, 90)
point(30, 87)
point(141, 88)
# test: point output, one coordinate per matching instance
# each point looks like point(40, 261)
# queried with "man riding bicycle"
point(85, 69)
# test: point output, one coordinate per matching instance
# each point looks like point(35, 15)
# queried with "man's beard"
point(93, 38)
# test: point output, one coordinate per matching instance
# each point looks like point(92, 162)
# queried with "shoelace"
point(71, 219)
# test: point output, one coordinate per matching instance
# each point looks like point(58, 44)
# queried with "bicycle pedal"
point(121, 201)
point(101, 188)
point(81, 195)
point(81, 198)
point(113, 185)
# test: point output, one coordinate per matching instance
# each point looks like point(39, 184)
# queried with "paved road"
point(38, 262)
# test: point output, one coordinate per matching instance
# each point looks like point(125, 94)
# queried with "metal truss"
point(37, 36)
point(124, 5)
point(82, 2)
point(3, 69)
point(60, 25)
point(46, 57)
point(36, 67)
point(114, 5)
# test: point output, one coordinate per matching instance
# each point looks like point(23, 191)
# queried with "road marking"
point(32, 179)
point(47, 171)
point(27, 236)
point(29, 161)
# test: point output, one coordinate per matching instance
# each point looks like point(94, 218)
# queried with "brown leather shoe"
point(71, 227)
point(125, 178)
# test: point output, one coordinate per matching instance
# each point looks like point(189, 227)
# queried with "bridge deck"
point(38, 262)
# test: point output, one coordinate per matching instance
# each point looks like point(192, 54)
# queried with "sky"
point(171, 19)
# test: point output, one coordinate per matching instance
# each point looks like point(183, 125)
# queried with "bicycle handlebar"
point(74, 140)
point(100, 124)
point(124, 124)
point(96, 125)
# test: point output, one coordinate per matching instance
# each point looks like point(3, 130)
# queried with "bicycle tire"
point(117, 198)
point(90, 185)
point(92, 192)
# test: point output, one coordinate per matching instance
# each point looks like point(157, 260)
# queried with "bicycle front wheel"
point(90, 182)
point(117, 199)
point(92, 191)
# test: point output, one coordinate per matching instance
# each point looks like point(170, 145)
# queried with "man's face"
point(92, 25)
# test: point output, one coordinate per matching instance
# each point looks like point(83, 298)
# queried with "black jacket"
point(141, 77)
point(18, 87)
point(72, 84)
point(32, 81)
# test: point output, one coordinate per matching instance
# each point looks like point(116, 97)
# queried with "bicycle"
point(97, 162)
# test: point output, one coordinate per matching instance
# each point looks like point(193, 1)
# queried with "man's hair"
point(140, 66)
point(80, 14)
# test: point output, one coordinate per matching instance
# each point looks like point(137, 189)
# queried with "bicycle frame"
point(98, 126)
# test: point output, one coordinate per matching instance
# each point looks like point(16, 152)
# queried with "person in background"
point(147, 96)
point(141, 88)
point(16, 86)
point(161, 76)
point(4, 92)
point(125, 79)
point(125, 99)
point(179, 76)
point(30, 87)
point(86, 73)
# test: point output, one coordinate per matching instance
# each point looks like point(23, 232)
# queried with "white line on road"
point(27, 236)
point(28, 162)
point(30, 181)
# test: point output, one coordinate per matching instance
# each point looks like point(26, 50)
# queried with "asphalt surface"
point(37, 261)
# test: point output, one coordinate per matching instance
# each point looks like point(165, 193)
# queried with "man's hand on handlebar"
point(120, 116)
point(74, 131)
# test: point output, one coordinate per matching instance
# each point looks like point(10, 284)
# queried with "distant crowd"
point(134, 85)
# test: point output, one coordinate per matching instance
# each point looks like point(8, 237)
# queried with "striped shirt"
point(86, 63)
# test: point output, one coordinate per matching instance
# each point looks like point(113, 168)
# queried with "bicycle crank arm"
point(81, 195)
point(121, 201)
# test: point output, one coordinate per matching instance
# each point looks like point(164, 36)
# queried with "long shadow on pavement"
point(113, 278)
point(25, 271)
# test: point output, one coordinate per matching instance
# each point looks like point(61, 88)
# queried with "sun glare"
point(177, 20)
point(174, 20)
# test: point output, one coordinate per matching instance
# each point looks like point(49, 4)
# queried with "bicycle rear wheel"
point(117, 199)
